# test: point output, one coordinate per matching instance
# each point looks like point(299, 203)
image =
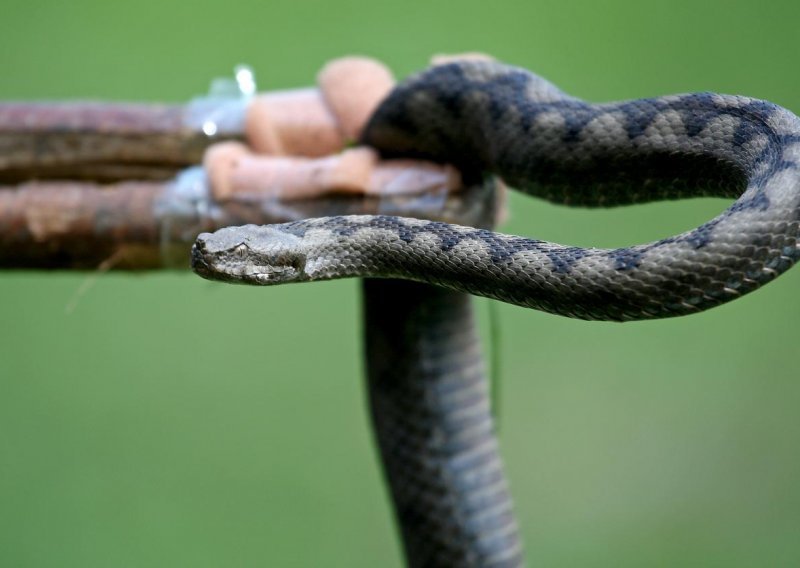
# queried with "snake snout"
point(199, 264)
point(201, 256)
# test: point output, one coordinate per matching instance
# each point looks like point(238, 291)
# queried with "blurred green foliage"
point(169, 421)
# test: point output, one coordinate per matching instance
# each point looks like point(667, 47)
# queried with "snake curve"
point(490, 118)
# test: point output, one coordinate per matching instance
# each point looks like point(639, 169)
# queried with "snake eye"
point(240, 251)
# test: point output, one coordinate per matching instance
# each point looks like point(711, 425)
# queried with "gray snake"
point(429, 408)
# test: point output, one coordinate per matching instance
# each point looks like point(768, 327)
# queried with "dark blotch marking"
point(565, 258)
point(759, 201)
point(640, 114)
point(627, 258)
point(701, 236)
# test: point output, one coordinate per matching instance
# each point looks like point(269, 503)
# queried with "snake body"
point(492, 119)
point(429, 403)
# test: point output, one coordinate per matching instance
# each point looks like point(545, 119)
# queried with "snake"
point(425, 377)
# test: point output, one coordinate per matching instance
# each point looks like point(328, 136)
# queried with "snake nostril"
point(200, 242)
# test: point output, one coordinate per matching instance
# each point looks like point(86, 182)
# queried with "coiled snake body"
point(429, 407)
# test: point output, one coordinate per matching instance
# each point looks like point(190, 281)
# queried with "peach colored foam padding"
point(292, 123)
point(296, 141)
point(443, 58)
point(235, 170)
point(317, 122)
point(353, 87)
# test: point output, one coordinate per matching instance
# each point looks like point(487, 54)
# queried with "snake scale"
point(425, 378)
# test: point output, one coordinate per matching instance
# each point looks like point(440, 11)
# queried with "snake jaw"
point(268, 274)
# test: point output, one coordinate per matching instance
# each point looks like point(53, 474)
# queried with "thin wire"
point(91, 280)
point(495, 362)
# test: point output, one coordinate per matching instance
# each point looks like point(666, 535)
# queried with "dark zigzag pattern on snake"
point(427, 393)
point(490, 118)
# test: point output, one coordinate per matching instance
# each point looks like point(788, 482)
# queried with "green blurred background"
point(169, 421)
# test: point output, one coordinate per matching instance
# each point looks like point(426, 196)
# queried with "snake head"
point(250, 254)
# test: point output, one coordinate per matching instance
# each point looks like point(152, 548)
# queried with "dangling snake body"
point(492, 119)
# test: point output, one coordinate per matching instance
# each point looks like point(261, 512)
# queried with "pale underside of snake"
point(491, 119)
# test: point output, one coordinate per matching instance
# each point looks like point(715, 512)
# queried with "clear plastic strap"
point(222, 111)
point(184, 209)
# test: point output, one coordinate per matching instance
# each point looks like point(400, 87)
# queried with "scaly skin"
point(491, 119)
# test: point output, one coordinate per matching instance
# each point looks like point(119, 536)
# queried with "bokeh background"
point(169, 421)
